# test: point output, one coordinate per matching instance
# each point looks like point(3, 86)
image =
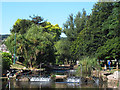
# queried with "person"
point(109, 63)
point(105, 67)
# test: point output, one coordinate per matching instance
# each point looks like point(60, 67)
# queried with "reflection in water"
point(43, 84)
point(74, 85)
point(32, 84)
point(60, 85)
point(50, 84)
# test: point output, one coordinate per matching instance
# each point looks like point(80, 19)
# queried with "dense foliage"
point(6, 61)
point(62, 51)
point(95, 35)
point(86, 65)
point(34, 41)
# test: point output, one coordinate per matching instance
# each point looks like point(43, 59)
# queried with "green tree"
point(35, 41)
point(55, 30)
point(100, 13)
point(91, 37)
point(69, 28)
point(110, 30)
point(109, 49)
point(38, 20)
point(80, 21)
point(39, 44)
point(62, 51)
point(20, 26)
point(9, 42)
point(72, 28)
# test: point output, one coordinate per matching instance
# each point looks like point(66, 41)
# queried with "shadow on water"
point(51, 84)
point(70, 82)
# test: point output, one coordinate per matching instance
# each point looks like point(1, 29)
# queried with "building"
point(3, 48)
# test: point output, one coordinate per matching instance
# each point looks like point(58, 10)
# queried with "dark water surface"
point(13, 85)
point(25, 84)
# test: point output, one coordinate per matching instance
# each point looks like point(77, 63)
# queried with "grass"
point(112, 71)
point(17, 66)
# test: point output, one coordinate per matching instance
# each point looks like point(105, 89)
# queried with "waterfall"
point(40, 79)
point(96, 80)
point(73, 79)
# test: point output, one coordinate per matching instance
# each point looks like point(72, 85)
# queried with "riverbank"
point(19, 66)
point(89, 81)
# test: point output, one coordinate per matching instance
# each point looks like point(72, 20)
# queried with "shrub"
point(87, 65)
point(6, 61)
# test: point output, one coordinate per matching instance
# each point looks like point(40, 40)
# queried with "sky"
point(54, 12)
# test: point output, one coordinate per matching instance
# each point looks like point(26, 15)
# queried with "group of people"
point(105, 67)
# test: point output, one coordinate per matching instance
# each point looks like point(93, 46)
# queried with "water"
point(32, 84)
point(51, 84)
point(46, 82)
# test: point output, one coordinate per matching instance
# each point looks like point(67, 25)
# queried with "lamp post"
point(40, 69)
point(14, 49)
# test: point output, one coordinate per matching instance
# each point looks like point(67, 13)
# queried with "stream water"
point(70, 82)
point(49, 84)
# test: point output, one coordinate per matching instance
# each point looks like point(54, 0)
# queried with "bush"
point(87, 65)
point(6, 61)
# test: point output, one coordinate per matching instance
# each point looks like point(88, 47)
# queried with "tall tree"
point(38, 20)
point(69, 28)
point(110, 30)
point(91, 36)
point(101, 11)
point(35, 41)
point(72, 28)
point(62, 51)
point(20, 26)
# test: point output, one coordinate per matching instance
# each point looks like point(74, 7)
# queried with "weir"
point(60, 78)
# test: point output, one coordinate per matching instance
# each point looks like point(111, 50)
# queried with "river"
point(13, 84)
point(23, 84)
